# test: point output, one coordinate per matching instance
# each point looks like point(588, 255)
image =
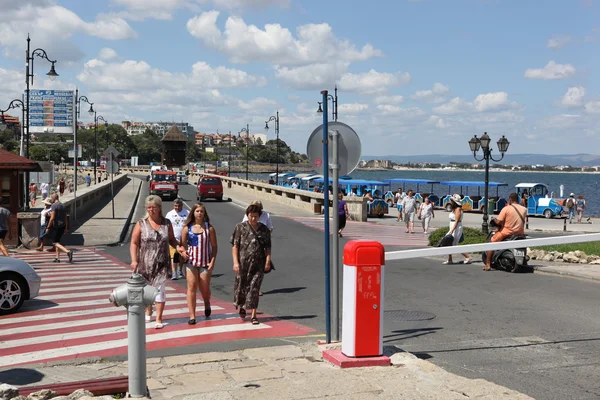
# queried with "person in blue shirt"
point(88, 180)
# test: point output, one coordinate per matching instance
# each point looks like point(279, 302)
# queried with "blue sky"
point(414, 77)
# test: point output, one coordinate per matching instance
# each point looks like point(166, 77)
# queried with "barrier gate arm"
point(481, 247)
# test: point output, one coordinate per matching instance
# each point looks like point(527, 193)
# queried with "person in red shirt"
point(511, 221)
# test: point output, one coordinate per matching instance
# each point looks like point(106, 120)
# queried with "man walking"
point(44, 188)
point(88, 180)
point(409, 208)
point(5, 228)
point(177, 216)
point(571, 206)
point(57, 227)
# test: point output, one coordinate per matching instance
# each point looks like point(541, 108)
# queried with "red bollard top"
point(364, 253)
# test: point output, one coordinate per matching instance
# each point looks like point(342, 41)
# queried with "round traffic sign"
point(349, 148)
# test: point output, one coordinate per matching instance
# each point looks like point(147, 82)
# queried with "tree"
point(148, 147)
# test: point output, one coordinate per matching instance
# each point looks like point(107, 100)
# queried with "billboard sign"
point(52, 111)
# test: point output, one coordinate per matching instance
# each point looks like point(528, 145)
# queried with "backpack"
point(569, 203)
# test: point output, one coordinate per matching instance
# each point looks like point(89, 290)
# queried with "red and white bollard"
point(362, 310)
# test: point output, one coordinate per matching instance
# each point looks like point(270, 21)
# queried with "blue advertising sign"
point(51, 111)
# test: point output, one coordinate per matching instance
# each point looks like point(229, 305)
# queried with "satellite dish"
point(349, 148)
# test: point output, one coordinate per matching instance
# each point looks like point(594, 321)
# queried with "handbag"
point(446, 241)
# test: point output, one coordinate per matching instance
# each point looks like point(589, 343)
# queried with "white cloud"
point(51, 27)
point(436, 121)
point(107, 54)
point(592, 107)
point(551, 71)
point(258, 104)
point(491, 101)
point(404, 113)
point(244, 43)
point(454, 106)
point(558, 41)
point(314, 76)
point(388, 99)
point(372, 82)
point(353, 108)
point(435, 95)
point(573, 97)
point(133, 75)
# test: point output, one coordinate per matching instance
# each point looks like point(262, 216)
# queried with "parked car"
point(210, 188)
point(182, 178)
point(18, 282)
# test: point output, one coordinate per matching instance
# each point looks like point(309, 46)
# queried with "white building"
point(261, 136)
point(160, 128)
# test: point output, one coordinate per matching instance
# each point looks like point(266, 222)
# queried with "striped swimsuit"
point(199, 247)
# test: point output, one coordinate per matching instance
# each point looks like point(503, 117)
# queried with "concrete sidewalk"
point(295, 371)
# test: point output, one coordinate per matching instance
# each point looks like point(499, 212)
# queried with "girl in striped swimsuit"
point(200, 240)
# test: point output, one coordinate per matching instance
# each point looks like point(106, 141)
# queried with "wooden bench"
point(99, 387)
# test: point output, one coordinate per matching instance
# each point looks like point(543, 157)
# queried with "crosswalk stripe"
point(36, 356)
point(83, 294)
point(75, 272)
point(60, 285)
point(61, 289)
point(100, 301)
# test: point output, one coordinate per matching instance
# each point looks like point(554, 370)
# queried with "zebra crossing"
point(72, 317)
point(387, 235)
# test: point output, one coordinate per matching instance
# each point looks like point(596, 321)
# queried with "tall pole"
point(277, 146)
point(335, 105)
point(27, 74)
point(326, 217)
point(95, 145)
point(247, 148)
point(484, 225)
point(229, 160)
point(75, 156)
point(335, 169)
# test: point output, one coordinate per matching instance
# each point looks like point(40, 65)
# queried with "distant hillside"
point(575, 160)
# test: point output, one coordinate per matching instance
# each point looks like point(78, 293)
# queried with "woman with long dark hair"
point(200, 241)
point(456, 226)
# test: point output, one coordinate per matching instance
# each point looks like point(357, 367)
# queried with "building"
point(174, 146)
point(8, 122)
point(256, 137)
point(160, 128)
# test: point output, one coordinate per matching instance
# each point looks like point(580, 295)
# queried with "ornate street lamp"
point(276, 119)
point(247, 130)
point(334, 101)
point(483, 143)
point(92, 113)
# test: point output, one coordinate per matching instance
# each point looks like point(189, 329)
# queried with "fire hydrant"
point(135, 295)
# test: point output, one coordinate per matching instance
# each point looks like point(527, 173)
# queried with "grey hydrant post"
point(135, 295)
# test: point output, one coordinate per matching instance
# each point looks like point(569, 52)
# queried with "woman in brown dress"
point(149, 251)
point(251, 253)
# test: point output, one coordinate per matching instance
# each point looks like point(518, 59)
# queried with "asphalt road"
point(534, 333)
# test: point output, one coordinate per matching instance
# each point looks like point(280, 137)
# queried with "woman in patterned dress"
point(200, 240)
point(251, 253)
point(150, 252)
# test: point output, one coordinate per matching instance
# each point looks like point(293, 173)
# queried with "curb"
point(548, 269)
point(133, 207)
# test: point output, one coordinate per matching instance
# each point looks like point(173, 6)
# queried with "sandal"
point(448, 262)
point(207, 311)
point(192, 321)
point(467, 261)
point(254, 321)
point(487, 269)
point(158, 325)
point(242, 313)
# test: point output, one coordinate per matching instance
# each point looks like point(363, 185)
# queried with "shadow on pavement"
point(286, 317)
point(20, 376)
point(285, 290)
point(35, 305)
point(403, 334)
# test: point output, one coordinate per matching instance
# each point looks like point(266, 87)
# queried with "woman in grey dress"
point(251, 253)
point(149, 251)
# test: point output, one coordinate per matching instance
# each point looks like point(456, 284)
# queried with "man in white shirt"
point(294, 185)
point(177, 216)
point(265, 217)
point(44, 188)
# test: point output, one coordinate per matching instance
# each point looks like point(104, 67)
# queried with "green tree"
point(148, 146)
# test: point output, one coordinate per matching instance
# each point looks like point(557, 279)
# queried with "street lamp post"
point(16, 103)
point(229, 160)
point(484, 143)
point(247, 130)
point(276, 119)
point(334, 101)
point(91, 111)
point(29, 57)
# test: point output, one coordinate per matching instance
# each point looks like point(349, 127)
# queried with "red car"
point(210, 188)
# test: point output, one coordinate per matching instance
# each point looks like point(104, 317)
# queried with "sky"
point(413, 76)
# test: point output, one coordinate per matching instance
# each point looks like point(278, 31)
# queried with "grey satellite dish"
point(348, 152)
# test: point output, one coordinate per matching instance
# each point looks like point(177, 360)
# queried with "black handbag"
point(446, 241)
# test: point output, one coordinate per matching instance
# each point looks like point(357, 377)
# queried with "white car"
point(182, 178)
point(18, 282)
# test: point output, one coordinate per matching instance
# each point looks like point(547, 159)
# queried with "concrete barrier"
point(86, 198)
point(311, 201)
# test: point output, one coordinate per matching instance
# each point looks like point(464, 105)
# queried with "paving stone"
point(215, 366)
point(210, 396)
point(274, 389)
point(205, 381)
point(201, 358)
point(275, 353)
point(302, 365)
point(332, 383)
point(168, 372)
point(242, 364)
point(256, 373)
point(154, 384)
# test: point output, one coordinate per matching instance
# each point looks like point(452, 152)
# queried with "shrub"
point(472, 236)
